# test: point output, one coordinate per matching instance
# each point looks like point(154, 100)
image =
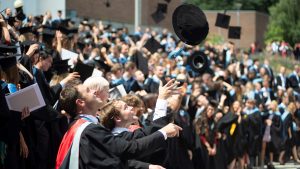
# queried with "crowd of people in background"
point(284, 49)
point(239, 113)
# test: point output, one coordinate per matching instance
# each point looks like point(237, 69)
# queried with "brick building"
point(122, 12)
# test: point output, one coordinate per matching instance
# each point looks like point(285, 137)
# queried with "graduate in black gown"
point(98, 147)
point(46, 121)
point(12, 143)
point(287, 125)
point(236, 141)
point(253, 121)
point(271, 141)
point(132, 129)
point(180, 149)
point(208, 138)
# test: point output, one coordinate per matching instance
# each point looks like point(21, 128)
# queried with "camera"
point(18, 4)
point(199, 63)
point(181, 82)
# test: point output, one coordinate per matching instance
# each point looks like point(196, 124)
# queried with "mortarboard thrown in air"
point(222, 20)
point(85, 71)
point(152, 45)
point(234, 32)
point(190, 24)
point(60, 67)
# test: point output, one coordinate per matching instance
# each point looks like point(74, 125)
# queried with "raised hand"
point(167, 90)
point(32, 49)
point(70, 77)
point(171, 130)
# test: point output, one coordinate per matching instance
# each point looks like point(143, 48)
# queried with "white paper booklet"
point(30, 96)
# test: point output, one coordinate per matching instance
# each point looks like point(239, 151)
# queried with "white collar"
point(90, 118)
point(156, 79)
point(118, 130)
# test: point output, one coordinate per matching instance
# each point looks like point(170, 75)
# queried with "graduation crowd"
point(237, 113)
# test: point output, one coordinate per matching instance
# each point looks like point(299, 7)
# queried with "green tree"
point(284, 22)
point(259, 5)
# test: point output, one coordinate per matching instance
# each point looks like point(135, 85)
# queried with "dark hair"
point(43, 55)
point(135, 101)
point(108, 113)
point(129, 65)
point(67, 99)
point(73, 83)
point(150, 100)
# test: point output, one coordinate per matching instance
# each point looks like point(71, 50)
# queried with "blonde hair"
point(96, 83)
point(274, 102)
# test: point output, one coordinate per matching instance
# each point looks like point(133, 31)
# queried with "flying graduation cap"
point(85, 71)
point(60, 67)
point(234, 32)
point(222, 20)
point(158, 15)
point(152, 45)
point(190, 24)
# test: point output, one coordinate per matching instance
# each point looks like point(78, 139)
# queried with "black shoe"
point(270, 166)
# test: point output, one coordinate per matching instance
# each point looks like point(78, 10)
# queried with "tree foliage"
point(259, 5)
point(284, 22)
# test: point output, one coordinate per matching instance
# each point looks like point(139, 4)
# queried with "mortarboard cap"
point(234, 32)
point(85, 71)
point(152, 45)
point(222, 20)
point(102, 65)
point(6, 63)
point(24, 30)
point(190, 24)
point(158, 16)
point(60, 67)
point(162, 7)
point(135, 38)
point(48, 33)
point(25, 45)
point(68, 31)
point(28, 29)
point(65, 22)
point(226, 121)
point(8, 56)
point(80, 45)
point(39, 19)
point(7, 49)
point(85, 22)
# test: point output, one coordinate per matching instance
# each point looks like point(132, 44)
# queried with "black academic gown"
point(209, 132)
point(286, 140)
point(48, 135)
point(177, 151)
point(100, 149)
point(151, 86)
point(144, 162)
point(293, 82)
point(226, 150)
point(276, 134)
point(10, 126)
point(253, 133)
